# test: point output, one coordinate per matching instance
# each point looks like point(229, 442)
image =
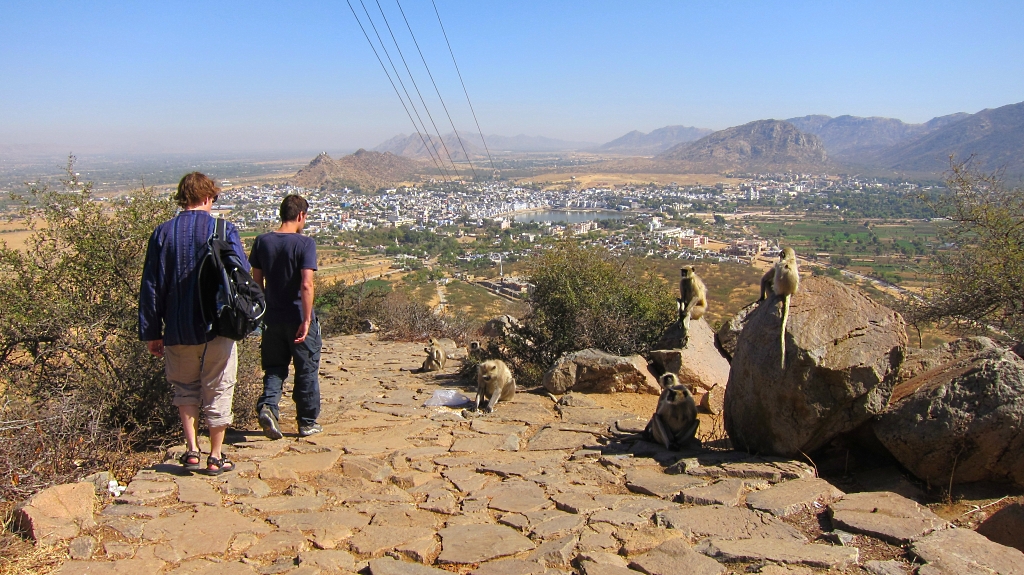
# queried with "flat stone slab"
point(329, 561)
point(196, 490)
point(277, 543)
point(673, 557)
point(513, 567)
point(390, 566)
point(328, 528)
point(885, 515)
point(516, 496)
point(252, 486)
point(58, 512)
point(143, 491)
point(724, 492)
point(577, 503)
point(375, 540)
point(620, 518)
point(208, 531)
point(290, 466)
point(559, 526)
point(794, 496)
point(285, 503)
point(482, 443)
point(965, 552)
point(727, 523)
point(492, 428)
point(466, 479)
point(550, 438)
point(479, 543)
point(206, 567)
point(781, 551)
point(658, 484)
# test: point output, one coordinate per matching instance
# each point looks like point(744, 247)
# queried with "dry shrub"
point(402, 319)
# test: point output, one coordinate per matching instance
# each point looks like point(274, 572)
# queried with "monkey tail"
point(782, 332)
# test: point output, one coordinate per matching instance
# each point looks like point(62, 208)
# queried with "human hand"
point(156, 347)
point(300, 335)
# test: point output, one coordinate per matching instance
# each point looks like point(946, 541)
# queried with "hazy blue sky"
point(237, 76)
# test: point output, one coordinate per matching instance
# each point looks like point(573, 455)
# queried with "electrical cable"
point(432, 81)
point(417, 88)
point(450, 51)
point(414, 126)
point(431, 148)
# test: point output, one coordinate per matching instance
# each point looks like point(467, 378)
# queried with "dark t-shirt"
point(282, 257)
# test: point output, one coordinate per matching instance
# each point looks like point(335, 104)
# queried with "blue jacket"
point(168, 301)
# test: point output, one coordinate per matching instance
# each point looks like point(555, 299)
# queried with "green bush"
point(588, 298)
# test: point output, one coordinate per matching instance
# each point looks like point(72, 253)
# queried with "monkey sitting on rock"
point(784, 281)
point(674, 423)
point(692, 302)
point(436, 357)
point(494, 382)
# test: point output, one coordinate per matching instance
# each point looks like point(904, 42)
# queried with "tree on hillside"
point(980, 282)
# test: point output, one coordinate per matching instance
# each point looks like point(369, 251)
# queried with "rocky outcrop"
point(843, 351)
point(729, 333)
point(57, 513)
point(698, 365)
point(960, 418)
point(597, 371)
point(500, 326)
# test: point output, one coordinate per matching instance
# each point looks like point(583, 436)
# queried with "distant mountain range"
point(995, 137)
point(412, 145)
point(639, 143)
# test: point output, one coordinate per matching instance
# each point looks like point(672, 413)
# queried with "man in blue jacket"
point(199, 365)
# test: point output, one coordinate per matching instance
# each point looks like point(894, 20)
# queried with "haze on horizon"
point(267, 77)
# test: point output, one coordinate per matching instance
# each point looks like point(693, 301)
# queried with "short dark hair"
point(292, 206)
point(194, 188)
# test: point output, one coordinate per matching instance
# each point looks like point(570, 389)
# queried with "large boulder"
point(842, 356)
point(58, 512)
point(500, 326)
point(729, 334)
point(597, 371)
point(961, 417)
point(698, 365)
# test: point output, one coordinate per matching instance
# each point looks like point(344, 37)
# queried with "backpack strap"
point(220, 229)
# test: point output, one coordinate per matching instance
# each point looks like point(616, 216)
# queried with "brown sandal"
point(216, 466)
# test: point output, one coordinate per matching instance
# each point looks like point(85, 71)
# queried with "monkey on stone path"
point(674, 423)
point(693, 300)
point(784, 281)
point(435, 357)
point(494, 381)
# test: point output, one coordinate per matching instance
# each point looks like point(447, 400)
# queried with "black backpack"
point(231, 301)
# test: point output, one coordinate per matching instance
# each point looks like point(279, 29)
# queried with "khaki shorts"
point(213, 388)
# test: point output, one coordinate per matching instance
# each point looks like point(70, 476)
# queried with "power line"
point(417, 88)
point(450, 51)
point(412, 104)
point(416, 128)
point(454, 129)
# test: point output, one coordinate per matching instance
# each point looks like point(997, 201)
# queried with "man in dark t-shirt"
point(283, 263)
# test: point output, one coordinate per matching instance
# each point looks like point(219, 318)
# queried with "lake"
point(568, 216)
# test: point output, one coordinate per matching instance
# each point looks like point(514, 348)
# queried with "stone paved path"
point(391, 488)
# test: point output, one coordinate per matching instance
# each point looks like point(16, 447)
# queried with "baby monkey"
point(783, 281)
point(674, 423)
point(693, 300)
point(494, 382)
point(435, 357)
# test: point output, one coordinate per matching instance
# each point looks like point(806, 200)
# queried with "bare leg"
point(189, 415)
point(494, 401)
point(217, 440)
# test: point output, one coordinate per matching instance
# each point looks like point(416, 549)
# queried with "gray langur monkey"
point(674, 423)
point(693, 300)
point(436, 357)
point(783, 281)
point(494, 382)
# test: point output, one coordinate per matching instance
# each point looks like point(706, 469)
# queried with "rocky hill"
point(757, 146)
point(855, 140)
point(366, 170)
point(995, 137)
point(637, 142)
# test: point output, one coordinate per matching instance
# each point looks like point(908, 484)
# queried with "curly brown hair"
point(194, 188)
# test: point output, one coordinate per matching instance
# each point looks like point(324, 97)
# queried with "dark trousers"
point(277, 350)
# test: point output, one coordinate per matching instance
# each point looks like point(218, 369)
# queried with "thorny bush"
point(77, 387)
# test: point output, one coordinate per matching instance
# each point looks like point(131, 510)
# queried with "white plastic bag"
point(447, 398)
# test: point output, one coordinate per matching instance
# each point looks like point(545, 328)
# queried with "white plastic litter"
point(447, 398)
point(114, 489)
